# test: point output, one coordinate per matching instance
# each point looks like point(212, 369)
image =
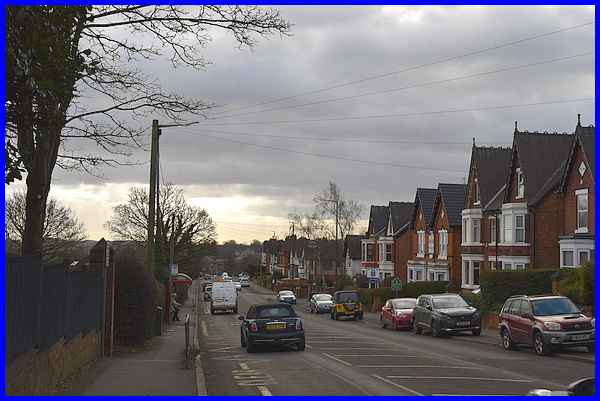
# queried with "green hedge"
point(410, 290)
point(496, 287)
point(472, 299)
point(578, 284)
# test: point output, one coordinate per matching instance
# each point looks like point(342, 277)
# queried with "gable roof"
point(586, 136)
point(400, 215)
point(491, 164)
point(352, 244)
point(425, 199)
point(542, 157)
point(454, 197)
point(378, 218)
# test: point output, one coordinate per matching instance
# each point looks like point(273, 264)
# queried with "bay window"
point(388, 252)
point(464, 230)
point(369, 252)
point(493, 230)
point(508, 227)
point(582, 210)
point(476, 234)
point(443, 244)
point(519, 228)
point(421, 243)
point(567, 257)
point(431, 244)
point(470, 273)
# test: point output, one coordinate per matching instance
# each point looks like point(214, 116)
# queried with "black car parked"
point(274, 324)
point(445, 313)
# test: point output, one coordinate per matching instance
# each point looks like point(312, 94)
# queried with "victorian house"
point(398, 228)
point(375, 263)
point(422, 242)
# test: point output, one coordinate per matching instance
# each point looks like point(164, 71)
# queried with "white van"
point(223, 297)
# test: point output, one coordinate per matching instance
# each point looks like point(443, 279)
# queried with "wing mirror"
point(241, 318)
point(429, 307)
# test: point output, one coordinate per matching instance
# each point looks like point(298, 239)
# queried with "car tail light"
point(299, 324)
point(253, 327)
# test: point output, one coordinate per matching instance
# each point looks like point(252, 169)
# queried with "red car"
point(397, 313)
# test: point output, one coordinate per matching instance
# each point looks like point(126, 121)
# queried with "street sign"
point(374, 273)
point(174, 269)
point(396, 284)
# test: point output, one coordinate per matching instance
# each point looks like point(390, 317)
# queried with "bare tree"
point(61, 232)
point(58, 56)
point(311, 226)
point(348, 211)
point(192, 232)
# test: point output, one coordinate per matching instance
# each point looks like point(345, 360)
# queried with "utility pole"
point(172, 247)
point(149, 257)
point(337, 251)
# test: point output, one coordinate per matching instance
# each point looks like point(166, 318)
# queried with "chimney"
point(578, 120)
point(516, 127)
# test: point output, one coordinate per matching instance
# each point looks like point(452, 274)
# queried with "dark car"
point(544, 322)
point(320, 303)
point(397, 313)
point(274, 324)
point(444, 314)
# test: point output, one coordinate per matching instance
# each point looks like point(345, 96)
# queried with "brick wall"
point(402, 253)
point(548, 216)
point(40, 373)
point(575, 182)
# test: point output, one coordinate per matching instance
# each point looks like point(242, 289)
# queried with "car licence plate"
point(463, 324)
point(580, 337)
point(276, 326)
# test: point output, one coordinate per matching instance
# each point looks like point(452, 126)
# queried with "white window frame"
point(578, 193)
point(468, 217)
point(520, 184)
point(476, 231)
point(431, 243)
point(468, 268)
point(509, 229)
point(516, 228)
point(415, 270)
point(493, 231)
point(465, 230)
point(391, 253)
point(443, 244)
point(562, 257)
point(420, 243)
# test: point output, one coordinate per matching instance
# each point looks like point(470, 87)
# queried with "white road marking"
point(381, 355)
point(397, 385)
point(222, 349)
point(493, 379)
point(204, 328)
point(264, 391)
point(353, 348)
point(308, 346)
point(337, 359)
point(416, 366)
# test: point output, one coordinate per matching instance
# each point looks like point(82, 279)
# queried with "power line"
point(413, 86)
point(400, 115)
point(333, 157)
point(412, 68)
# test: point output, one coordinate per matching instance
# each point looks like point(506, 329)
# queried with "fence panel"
point(52, 318)
point(84, 302)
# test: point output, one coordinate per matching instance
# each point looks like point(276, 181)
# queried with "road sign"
point(396, 284)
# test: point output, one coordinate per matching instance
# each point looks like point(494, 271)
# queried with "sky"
point(239, 166)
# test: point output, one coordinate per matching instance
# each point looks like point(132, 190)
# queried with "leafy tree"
point(61, 232)
point(58, 56)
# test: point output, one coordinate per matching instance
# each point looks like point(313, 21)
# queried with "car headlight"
point(552, 326)
point(476, 315)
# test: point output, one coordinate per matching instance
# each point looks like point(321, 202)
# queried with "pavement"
point(158, 368)
point(361, 358)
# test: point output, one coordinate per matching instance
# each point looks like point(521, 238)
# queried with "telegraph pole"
point(149, 259)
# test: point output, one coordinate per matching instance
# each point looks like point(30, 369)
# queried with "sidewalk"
point(157, 369)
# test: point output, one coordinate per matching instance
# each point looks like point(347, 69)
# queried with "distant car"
point(271, 324)
point(444, 314)
point(245, 282)
point(223, 297)
point(397, 313)
point(321, 303)
point(238, 285)
point(544, 322)
point(286, 296)
point(346, 303)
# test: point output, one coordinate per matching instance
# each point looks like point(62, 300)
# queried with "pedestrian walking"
point(175, 306)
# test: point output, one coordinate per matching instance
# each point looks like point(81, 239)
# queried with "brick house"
point(445, 228)
point(577, 190)
point(398, 228)
point(422, 241)
point(374, 263)
point(480, 217)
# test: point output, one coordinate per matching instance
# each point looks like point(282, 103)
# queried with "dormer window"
point(476, 195)
point(520, 184)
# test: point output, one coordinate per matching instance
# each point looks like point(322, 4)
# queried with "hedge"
point(496, 287)
point(578, 284)
point(410, 290)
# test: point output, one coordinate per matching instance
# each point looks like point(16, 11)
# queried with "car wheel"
point(416, 328)
point(476, 332)
point(435, 328)
point(539, 346)
point(250, 347)
point(507, 343)
point(301, 346)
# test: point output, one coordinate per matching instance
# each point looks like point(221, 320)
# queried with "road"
point(361, 358)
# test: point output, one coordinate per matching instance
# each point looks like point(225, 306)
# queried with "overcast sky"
point(249, 190)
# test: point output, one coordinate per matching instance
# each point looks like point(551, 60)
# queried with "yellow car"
point(346, 303)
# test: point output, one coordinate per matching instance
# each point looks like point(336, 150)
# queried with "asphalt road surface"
point(361, 358)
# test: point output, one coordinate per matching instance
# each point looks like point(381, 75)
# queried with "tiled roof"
point(401, 213)
point(352, 243)
point(491, 163)
point(587, 137)
point(426, 198)
point(378, 219)
point(541, 157)
point(454, 197)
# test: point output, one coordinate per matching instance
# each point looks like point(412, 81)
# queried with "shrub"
point(496, 287)
point(473, 299)
point(410, 290)
point(578, 284)
point(342, 282)
point(136, 296)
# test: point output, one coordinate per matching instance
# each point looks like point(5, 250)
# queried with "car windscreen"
point(275, 311)
point(553, 306)
point(347, 297)
point(286, 293)
point(449, 302)
point(323, 297)
point(404, 303)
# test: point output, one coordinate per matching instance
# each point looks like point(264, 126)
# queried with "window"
point(567, 258)
point(495, 266)
point(584, 256)
point(519, 228)
point(464, 230)
point(476, 195)
point(420, 243)
point(388, 252)
point(519, 266)
point(410, 275)
point(476, 235)
point(520, 184)
point(431, 276)
point(471, 269)
point(387, 275)
point(443, 243)
point(507, 266)
point(419, 275)
point(465, 277)
point(369, 252)
point(508, 226)
point(431, 242)
point(440, 276)
point(493, 230)
point(582, 210)
point(475, 273)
